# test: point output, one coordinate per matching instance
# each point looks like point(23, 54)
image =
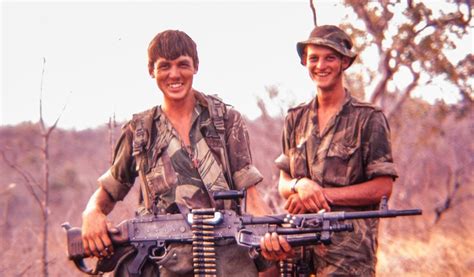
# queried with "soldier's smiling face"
point(325, 66)
point(175, 77)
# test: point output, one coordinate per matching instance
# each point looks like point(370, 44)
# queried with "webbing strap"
point(141, 137)
point(217, 111)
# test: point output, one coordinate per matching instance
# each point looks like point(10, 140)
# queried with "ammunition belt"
point(204, 248)
point(287, 267)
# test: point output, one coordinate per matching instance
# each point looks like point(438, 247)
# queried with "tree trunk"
point(45, 204)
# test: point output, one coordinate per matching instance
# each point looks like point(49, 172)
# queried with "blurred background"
point(84, 64)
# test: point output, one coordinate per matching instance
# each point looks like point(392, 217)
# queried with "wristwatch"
point(293, 183)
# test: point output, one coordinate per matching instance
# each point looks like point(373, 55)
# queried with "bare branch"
point(406, 94)
point(387, 74)
point(315, 22)
point(23, 272)
point(41, 97)
point(25, 177)
point(59, 117)
point(449, 202)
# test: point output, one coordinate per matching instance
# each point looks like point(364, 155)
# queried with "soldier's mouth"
point(175, 85)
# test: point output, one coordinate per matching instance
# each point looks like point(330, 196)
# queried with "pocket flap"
point(341, 151)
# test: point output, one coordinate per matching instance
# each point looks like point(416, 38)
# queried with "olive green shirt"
point(353, 148)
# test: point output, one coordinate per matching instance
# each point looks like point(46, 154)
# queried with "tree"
point(39, 191)
point(412, 40)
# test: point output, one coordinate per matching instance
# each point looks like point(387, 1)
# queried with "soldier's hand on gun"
point(311, 195)
point(275, 247)
point(294, 205)
point(95, 234)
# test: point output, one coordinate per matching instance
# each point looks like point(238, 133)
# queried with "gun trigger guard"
point(162, 259)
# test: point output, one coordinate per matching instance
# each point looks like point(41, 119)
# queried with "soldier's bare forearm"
point(100, 201)
point(366, 193)
point(255, 203)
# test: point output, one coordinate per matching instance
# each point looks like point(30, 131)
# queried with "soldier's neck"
point(179, 113)
point(179, 110)
point(330, 100)
point(329, 103)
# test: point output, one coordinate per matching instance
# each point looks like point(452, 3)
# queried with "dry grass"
point(440, 254)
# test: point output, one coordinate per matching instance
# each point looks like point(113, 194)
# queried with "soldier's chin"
point(175, 95)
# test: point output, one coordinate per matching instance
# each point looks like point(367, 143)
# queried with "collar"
point(199, 105)
point(347, 99)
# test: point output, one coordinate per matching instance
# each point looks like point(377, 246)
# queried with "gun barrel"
point(269, 219)
point(380, 213)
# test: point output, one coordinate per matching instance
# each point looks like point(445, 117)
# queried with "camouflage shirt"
point(176, 174)
point(173, 175)
point(353, 148)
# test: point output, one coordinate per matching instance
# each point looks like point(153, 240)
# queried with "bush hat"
point(330, 36)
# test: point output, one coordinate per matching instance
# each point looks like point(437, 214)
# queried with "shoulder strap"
point(218, 113)
point(217, 109)
point(141, 126)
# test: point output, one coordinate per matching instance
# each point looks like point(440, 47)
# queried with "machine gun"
point(150, 235)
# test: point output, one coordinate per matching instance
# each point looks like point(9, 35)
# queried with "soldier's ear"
point(196, 67)
point(152, 73)
point(346, 62)
point(303, 60)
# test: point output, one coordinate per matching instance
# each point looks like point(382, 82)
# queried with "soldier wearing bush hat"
point(329, 36)
point(336, 156)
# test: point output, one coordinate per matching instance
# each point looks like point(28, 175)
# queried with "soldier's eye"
point(163, 66)
point(184, 65)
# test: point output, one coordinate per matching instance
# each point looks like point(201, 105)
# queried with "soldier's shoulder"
point(298, 108)
point(149, 112)
point(215, 104)
point(204, 98)
point(357, 103)
point(147, 115)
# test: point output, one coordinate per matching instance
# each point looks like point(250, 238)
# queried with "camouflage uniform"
point(175, 183)
point(353, 148)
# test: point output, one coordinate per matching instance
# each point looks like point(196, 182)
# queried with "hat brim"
point(326, 43)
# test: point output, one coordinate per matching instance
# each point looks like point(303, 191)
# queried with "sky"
point(96, 62)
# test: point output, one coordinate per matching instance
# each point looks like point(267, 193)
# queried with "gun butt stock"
point(75, 248)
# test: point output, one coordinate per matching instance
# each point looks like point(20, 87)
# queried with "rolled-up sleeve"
point(377, 149)
point(246, 177)
point(282, 162)
point(119, 179)
point(244, 173)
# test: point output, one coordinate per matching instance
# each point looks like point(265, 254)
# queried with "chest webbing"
point(210, 171)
